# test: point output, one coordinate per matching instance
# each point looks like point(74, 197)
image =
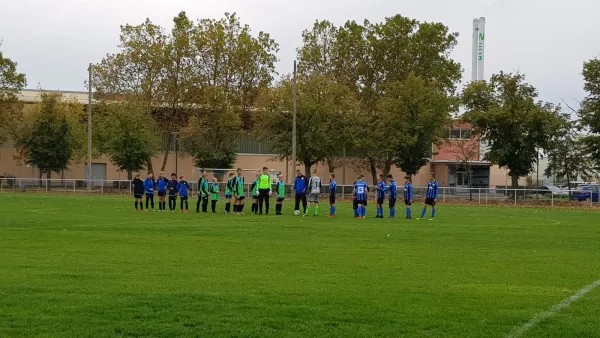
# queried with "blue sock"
point(392, 212)
point(423, 212)
point(356, 212)
point(360, 211)
point(364, 211)
point(432, 212)
point(333, 210)
point(379, 211)
point(408, 213)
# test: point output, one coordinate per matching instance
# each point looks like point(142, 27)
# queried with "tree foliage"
point(51, 134)
point(376, 61)
point(568, 157)
point(172, 72)
point(506, 115)
point(211, 134)
point(11, 83)
point(326, 112)
point(590, 109)
point(126, 133)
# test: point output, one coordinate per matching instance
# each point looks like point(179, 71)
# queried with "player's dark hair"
point(173, 174)
point(407, 177)
point(390, 176)
point(432, 175)
point(265, 168)
point(332, 175)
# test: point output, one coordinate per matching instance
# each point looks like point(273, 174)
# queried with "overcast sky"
point(548, 40)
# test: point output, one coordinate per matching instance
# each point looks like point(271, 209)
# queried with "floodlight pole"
point(294, 85)
point(89, 112)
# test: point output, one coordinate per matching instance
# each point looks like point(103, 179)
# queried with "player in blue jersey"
point(380, 195)
point(408, 196)
point(362, 190)
point(430, 196)
point(392, 190)
point(332, 193)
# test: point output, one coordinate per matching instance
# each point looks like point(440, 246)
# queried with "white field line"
point(555, 309)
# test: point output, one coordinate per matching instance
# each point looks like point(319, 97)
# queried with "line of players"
point(261, 191)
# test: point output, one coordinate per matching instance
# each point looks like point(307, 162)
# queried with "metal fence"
point(450, 195)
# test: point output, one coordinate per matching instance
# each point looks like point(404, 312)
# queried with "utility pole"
point(294, 85)
point(89, 112)
point(175, 134)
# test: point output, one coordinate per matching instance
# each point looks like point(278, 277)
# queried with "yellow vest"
point(264, 181)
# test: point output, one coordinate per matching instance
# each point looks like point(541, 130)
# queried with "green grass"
point(78, 266)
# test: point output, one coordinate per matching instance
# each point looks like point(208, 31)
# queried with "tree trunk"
point(330, 165)
point(48, 177)
point(387, 168)
point(149, 165)
point(307, 166)
point(130, 174)
point(166, 154)
point(373, 168)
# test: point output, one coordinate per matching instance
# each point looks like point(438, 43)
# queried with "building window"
point(459, 134)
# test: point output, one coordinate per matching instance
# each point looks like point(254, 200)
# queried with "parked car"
point(585, 192)
point(556, 191)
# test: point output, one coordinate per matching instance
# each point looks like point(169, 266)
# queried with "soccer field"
point(79, 266)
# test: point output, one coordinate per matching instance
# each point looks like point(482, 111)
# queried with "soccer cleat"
point(431, 219)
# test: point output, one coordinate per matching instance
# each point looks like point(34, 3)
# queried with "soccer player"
point(393, 193)
point(408, 196)
point(200, 183)
point(380, 195)
point(161, 186)
point(172, 188)
point(430, 197)
point(214, 195)
point(254, 195)
point(280, 196)
point(332, 193)
point(205, 193)
point(183, 188)
point(229, 192)
point(264, 190)
point(138, 191)
point(240, 194)
point(149, 186)
point(314, 184)
point(362, 190)
point(299, 187)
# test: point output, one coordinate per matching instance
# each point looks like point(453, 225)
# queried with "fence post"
point(74, 185)
point(102, 187)
point(486, 196)
point(443, 195)
point(515, 196)
point(479, 195)
point(552, 199)
point(46, 180)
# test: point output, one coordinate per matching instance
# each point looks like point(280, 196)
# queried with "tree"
point(126, 133)
point(11, 83)
point(325, 110)
point(50, 135)
point(590, 109)
point(211, 134)
point(467, 151)
point(568, 156)
point(506, 116)
point(372, 59)
point(420, 114)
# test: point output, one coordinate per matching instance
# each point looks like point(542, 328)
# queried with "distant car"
point(585, 192)
point(549, 189)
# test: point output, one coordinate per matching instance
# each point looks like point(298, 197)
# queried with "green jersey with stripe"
point(239, 187)
point(214, 192)
point(281, 190)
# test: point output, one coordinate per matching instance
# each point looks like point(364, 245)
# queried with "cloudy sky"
point(548, 40)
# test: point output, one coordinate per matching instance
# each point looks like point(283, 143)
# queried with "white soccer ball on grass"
point(297, 212)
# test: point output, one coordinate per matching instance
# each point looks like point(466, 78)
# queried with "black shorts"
point(162, 193)
point(332, 199)
point(280, 199)
point(363, 202)
point(430, 201)
point(407, 202)
point(184, 198)
point(240, 198)
point(227, 197)
point(137, 195)
point(172, 197)
point(380, 201)
point(392, 203)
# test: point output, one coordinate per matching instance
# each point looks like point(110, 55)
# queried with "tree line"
point(378, 93)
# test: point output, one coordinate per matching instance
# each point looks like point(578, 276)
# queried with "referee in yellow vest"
point(264, 190)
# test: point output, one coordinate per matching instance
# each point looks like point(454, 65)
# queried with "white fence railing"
point(483, 196)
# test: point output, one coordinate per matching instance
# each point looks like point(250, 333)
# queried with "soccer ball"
point(297, 213)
